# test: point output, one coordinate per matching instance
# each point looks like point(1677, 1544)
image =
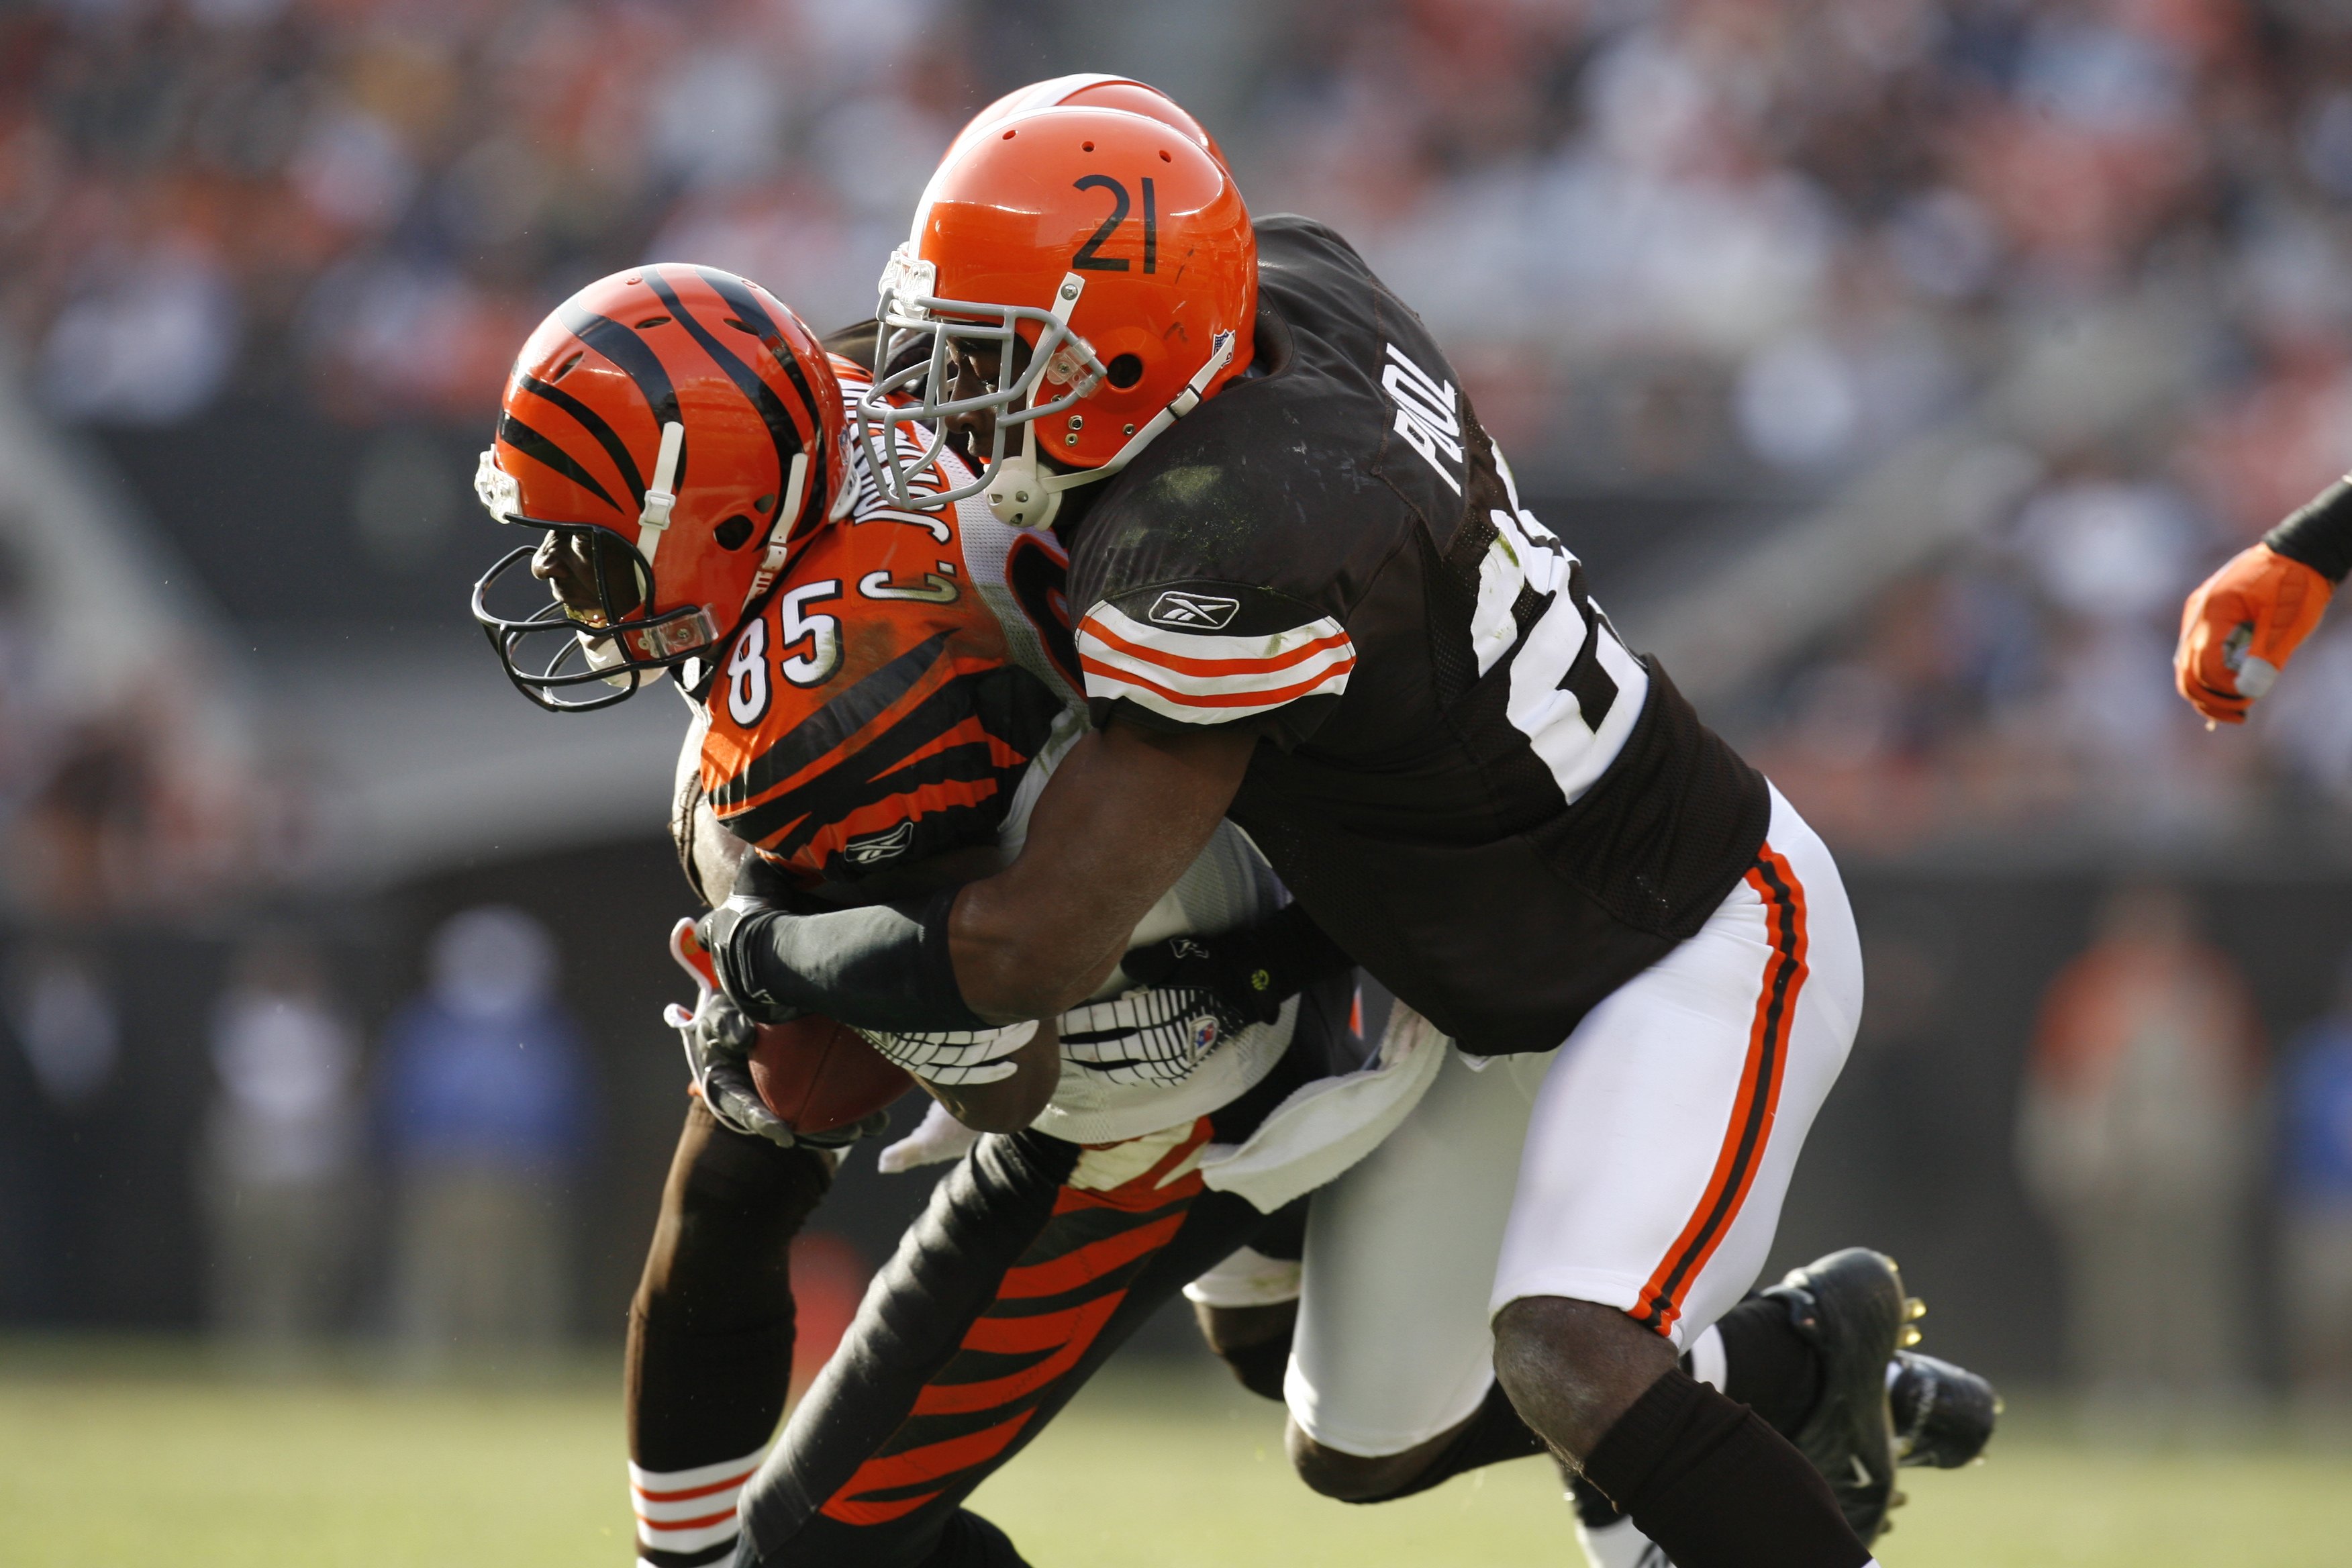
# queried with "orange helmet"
point(1092, 90)
point(1109, 262)
point(686, 429)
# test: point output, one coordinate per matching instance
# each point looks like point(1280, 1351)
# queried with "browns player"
point(2243, 623)
point(1312, 602)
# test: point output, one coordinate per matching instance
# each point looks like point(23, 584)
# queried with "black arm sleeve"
point(2320, 535)
point(881, 967)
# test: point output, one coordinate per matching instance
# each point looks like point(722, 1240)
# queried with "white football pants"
point(1640, 1164)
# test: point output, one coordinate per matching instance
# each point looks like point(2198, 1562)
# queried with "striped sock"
point(686, 1519)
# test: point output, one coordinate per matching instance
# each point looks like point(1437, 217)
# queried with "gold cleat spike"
point(1914, 1309)
point(1896, 1500)
point(2000, 1405)
point(1910, 1337)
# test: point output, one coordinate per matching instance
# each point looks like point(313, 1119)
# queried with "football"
point(818, 1075)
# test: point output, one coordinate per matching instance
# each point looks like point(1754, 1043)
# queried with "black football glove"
point(721, 933)
point(718, 1044)
point(1252, 971)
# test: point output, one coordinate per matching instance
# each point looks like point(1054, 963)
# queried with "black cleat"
point(1850, 1307)
point(1944, 1414)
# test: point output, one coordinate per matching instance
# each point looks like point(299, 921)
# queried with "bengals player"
point(1310, 600)
point(880, 691)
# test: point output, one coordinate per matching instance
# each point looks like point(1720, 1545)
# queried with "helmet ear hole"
point(1124, 371)
point(766, 505)
point(733, 534)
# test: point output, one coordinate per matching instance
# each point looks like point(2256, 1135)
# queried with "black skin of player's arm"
point(1122, 817)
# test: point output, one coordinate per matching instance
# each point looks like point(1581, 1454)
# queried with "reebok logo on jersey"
point(1193, 610)
point(880, 847)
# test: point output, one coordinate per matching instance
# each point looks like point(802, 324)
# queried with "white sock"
point(690, 1511)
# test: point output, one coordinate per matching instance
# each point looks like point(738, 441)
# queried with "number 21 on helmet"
point(1104, 259)
point(676, 431)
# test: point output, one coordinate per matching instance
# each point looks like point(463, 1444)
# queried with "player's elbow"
point(1009, 972)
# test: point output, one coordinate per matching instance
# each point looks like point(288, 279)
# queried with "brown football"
point(818, 1075)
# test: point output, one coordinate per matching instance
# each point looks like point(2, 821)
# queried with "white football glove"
point(956, 1056)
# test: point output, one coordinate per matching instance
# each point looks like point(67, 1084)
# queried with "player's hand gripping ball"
point(2240, 626)
point(810, 1080)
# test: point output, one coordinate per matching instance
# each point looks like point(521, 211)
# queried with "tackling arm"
point(1125, 813)
point(1128, 810)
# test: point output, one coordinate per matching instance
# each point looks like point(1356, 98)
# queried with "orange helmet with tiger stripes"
point(679, 430)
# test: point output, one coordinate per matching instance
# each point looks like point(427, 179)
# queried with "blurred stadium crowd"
point(1726, 251)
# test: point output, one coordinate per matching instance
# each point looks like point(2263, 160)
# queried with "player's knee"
point(1573, 1367)
point(1350, 1478)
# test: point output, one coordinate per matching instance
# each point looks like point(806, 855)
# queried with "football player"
point(879, 692)
point(2243, 623)
point(1311, 601)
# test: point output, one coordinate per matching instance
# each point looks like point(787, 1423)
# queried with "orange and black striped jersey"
point(885, 703)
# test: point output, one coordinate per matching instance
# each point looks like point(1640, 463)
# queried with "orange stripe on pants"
point(1753, 1108)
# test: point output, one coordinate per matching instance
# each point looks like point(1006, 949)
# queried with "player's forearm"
point(1125, 813)
point(884, 967)
point(2320, 534)
point(1122, 817)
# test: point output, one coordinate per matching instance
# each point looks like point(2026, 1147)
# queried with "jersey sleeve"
point(1199, 651)
point(2319, 535)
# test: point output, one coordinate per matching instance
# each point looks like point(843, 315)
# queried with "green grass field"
point(133, 1459)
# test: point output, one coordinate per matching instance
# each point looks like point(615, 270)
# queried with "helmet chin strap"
point(661, 495)
point(603, 649)
point(1024, 493)
point(779, 531)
